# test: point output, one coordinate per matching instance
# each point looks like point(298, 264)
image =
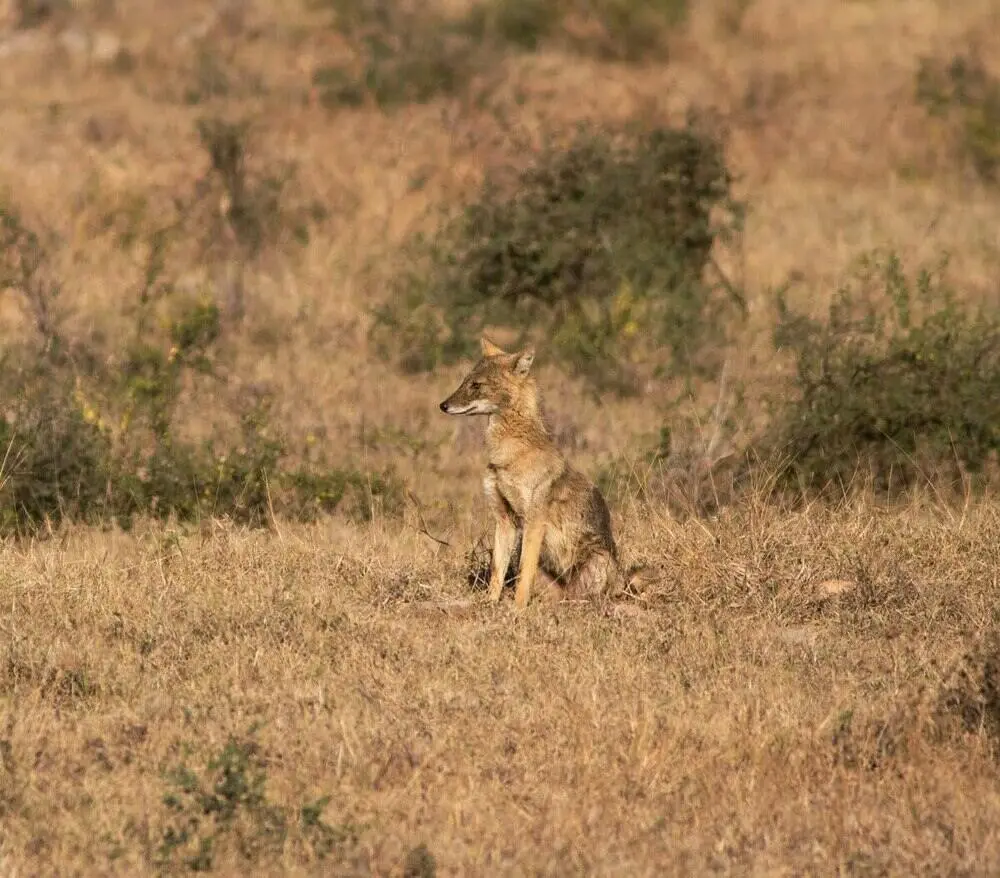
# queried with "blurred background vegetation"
point(244, 249)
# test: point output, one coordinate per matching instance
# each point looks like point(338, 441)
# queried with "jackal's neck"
point(521, 418)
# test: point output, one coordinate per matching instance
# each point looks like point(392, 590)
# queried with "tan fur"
point(531, 488)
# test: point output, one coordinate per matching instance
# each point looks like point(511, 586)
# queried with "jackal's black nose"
point(444, 406)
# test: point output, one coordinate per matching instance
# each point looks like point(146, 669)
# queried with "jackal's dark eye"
point(476, 386)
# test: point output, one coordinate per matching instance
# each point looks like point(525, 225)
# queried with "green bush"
point(56, 458)
point(524, 24)
point(60, 459)
point(900, 382)
point(964, 93)
point(360, 495)
point(256, 213)
point(630, 30)
point(34, 13)
point(420, 863)
point(25, 270)
point(226, 808)
point(83, 441)
point(210, 79)
point(243, 204)
point(406, 53)
point(601, 247)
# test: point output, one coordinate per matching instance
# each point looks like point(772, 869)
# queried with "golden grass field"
point(809, 692)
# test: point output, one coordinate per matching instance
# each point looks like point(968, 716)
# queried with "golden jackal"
point(564, 522)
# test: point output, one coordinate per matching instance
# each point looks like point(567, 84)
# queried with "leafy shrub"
point(964, 93)
point(247, 203)
point(34, 13)
point(360, 495)
point(62, 459)
point(900, 379)
point(56, 457)
point(524, 24)
point(24, 270)
point(406, 53)
point(254, 212)
point(211, 80)
point(226, 808)
point(601, 246)
point(420, 863)
point(970, 691)
point(629, 30)
point(83, 441)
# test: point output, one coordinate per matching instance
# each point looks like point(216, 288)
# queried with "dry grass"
point(741, 720)
point(744, 718)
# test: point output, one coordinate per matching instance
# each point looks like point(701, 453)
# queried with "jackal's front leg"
point(531, 549)
point(504, 537)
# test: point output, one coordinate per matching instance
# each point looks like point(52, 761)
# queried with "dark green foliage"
point(151, 377)
point(967, 95)
point(34, 13)
point(323, 838)
point(601, 246)
point(255, 212)
point(227, 805)
point(899, 381)
point(360, 495)
point(420, 863)
point(24, 260)
point(61, 460)
point(232, 802)
point(338, 87)
point(633, 30)
point(193, 332)
point(210, 80)
point(85, 442)
point(524, 24)
point(970, 693)
point(406, 53)
point(55, 459)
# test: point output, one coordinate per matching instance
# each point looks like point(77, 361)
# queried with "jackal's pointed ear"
point(489, 349)
point(522, 365)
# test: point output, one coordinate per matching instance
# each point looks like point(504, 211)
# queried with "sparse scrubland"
point(245, 250)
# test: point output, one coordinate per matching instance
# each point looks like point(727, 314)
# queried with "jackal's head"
point(498, 381)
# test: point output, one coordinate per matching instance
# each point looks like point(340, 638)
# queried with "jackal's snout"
point(462, 403)
point(453, 405)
